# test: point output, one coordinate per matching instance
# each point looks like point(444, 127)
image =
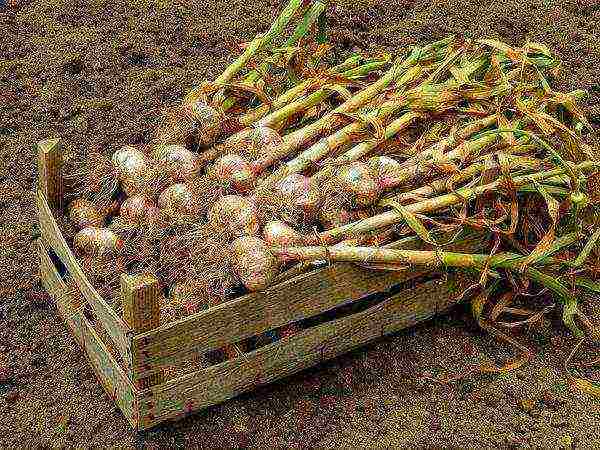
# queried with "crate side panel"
point(216, 384)
point(115, 326)
point(108, 371)
point(57, 288)
point(304, 296)
point(112, 377)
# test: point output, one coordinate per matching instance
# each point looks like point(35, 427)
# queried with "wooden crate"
point(133, 356)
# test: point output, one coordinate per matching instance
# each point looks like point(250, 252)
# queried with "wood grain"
point(287, 356)
point(50, 180)
point(301, 297)
point(58, 290)
point(108, 371)
point(140, 294)
point(115, 326)
point(141, 311)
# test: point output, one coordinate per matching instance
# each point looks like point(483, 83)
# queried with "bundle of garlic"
point(256, 173)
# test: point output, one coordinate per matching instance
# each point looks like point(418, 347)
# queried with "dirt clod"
point(12, 397)
point(38, 361)
point(527, 405)
point(550, 400)
point(559, 422)
point(4, 374)
point(492, 399)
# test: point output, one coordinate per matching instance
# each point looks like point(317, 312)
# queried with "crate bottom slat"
point(210, 386)
point(108, 371)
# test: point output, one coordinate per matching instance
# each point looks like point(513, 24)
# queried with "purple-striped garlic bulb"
point(280, 234)
point(234, 215)
point(180, 163)
point(132, 168)
point(235, 172)
point(386, 170)
point(139, 208)
point(177, 202)
point(83, 214)
point(356, 180)
point(302, 193)
point(94, 241)
point(253, 263)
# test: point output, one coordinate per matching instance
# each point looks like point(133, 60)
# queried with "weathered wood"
point(58, 290)
point(50, 179)
point(115, 326)
point(109, 372)
point(289, 355)
point(113, 378)
point(301, 297)
point(142, 392)
point(141, 311)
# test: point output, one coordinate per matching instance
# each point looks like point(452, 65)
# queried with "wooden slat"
point(50, 181)
point(215, 384)
point(113, 378)
point(111, 375)
point(57, 288)
point(301, 297)
point(114, 325)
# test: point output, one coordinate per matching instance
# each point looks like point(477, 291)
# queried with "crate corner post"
point(141, 311)
point(50, 180)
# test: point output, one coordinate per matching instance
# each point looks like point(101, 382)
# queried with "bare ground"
point(95, 72)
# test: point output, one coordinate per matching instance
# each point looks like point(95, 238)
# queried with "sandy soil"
point(94, 72)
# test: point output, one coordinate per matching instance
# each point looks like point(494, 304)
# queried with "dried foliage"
point(475, 138)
